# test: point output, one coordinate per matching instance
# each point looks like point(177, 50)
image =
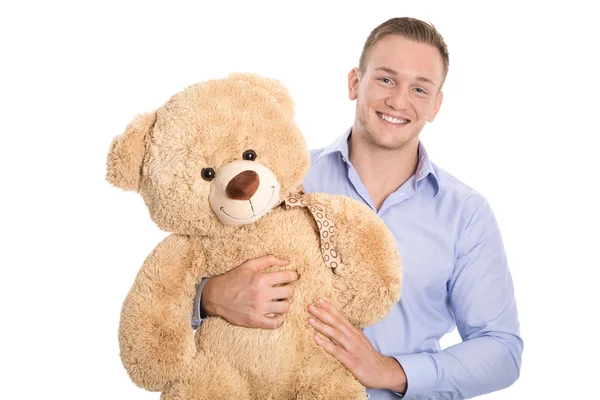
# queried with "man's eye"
point(385, 80)
point(419, 90)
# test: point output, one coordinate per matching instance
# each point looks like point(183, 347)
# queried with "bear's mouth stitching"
point(254, 215)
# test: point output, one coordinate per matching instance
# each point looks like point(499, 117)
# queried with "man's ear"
point(436, 107)
point(126, 154)
point(273, 86)
point(353, 78)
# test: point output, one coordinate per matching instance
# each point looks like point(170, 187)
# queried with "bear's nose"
point(243, 186)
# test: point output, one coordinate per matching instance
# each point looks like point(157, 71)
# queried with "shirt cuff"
point(421, 374)
point(196, 314)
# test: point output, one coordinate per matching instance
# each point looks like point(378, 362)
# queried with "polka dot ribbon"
point(325, 224)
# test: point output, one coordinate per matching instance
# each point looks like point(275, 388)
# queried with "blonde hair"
point(410, 28)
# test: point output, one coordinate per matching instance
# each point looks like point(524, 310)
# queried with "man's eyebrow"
point(386, 69)
point(425, 80)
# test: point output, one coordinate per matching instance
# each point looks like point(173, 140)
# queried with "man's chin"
point(387, 142)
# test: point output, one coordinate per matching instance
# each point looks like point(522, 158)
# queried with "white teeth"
point(393, 120)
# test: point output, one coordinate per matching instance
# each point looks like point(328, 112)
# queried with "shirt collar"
point(424, 167)
point(339, 145)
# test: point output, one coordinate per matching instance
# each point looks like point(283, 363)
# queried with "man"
point(455, 269)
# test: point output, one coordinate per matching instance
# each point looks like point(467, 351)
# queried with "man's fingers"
point(273, 322)
point(332, 333)
point(282, 292)
point(280, 277)
point(278, 307)
point(331, 316)
point(267, 261)
point(332, 349)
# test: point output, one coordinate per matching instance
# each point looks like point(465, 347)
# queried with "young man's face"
point(397, 93)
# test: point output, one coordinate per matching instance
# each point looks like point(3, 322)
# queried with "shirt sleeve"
point(196, 314)
point(481, 295)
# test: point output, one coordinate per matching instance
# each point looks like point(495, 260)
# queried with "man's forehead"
point(396, 55)
point(395, 46)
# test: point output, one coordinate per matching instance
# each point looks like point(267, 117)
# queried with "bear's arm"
point(155, 338)
point(368, 281)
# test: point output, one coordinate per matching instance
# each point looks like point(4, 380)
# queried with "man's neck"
point(383, 171)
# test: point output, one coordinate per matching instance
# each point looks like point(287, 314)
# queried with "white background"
point(518, 124)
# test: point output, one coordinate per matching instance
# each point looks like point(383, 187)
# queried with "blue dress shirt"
point(455, 274)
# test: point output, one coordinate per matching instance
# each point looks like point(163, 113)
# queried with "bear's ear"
point(126, 154)
point(273, 86)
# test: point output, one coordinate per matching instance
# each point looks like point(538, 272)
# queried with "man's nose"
point(399, 98)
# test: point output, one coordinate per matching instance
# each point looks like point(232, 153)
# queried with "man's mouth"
point(393, 120)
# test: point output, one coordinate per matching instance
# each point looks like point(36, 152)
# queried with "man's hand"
point(354, 350)
point(245, 295)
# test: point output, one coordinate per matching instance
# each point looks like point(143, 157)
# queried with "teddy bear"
point(220, 168)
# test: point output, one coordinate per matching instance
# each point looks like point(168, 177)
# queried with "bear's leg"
point(335, 384)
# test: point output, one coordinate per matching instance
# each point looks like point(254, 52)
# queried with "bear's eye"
point(249, 155)
point(208, 174)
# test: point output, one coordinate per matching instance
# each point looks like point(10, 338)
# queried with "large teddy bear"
point(220, 166)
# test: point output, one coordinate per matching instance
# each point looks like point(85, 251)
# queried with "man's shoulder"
point(468, 207)
point(456, 191)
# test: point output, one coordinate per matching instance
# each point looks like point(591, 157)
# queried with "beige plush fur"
point(161, 155)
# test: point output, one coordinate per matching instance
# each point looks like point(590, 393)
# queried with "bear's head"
point(218, 155)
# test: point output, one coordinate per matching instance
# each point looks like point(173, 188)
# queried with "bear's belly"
point(262, 353)
point(269, 356)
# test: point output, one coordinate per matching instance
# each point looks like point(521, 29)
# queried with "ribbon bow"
point(325, 224)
